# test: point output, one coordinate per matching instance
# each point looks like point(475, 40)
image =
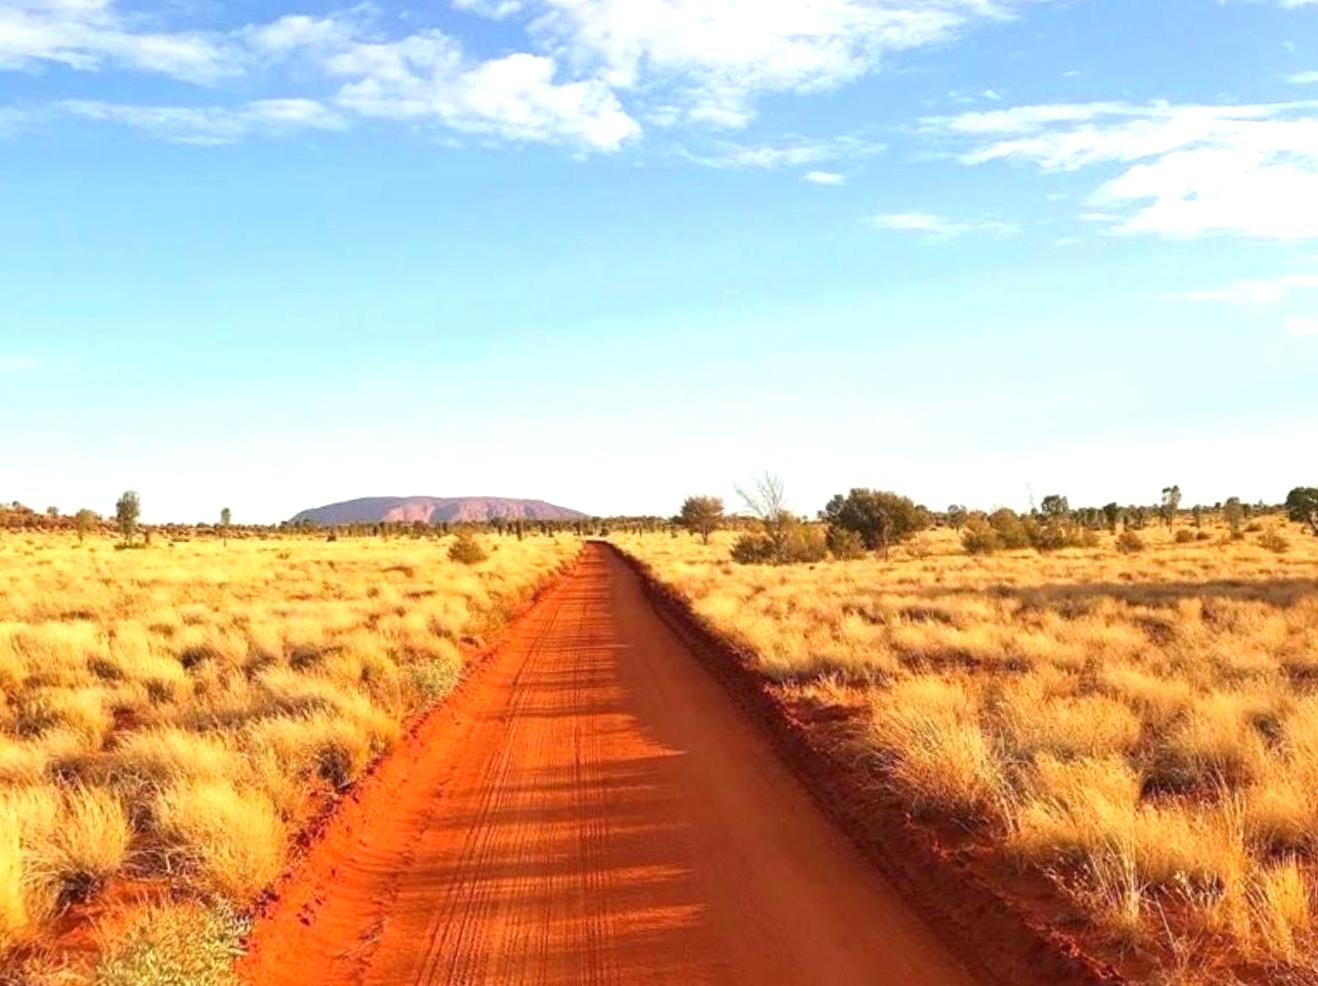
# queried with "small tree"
point(1197, 513)
point(879, 518)
point(701, 515)
point(956, 516)
point(126, 512)
point(1055, 506)
point(767, 500)
point(1171, 501)
point(1233, 511)
point(226, 519)
point(1112, 515)
point(83, 522)
point(52, 513)
point(1302, 506)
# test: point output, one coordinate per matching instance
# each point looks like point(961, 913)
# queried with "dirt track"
point(592, 809)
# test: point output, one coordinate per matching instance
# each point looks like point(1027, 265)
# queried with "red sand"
point(594, 807)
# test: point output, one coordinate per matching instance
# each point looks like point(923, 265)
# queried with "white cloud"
point(824, 178)
point(1302, 78)
point(787, 153)
point(213, 124)
point(514, 97)
point(494, 9)
point(1304, 327)
point(16, 364)
point(939, 227)
point(91, 34)
point(592, 68)
point(1189, 170)
point(717, 56)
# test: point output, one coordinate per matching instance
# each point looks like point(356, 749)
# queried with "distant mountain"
point(433, 510)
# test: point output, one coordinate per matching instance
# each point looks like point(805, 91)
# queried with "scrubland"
point(1139, 730)
point(171, 717)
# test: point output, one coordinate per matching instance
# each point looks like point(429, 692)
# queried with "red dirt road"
point(592, 809)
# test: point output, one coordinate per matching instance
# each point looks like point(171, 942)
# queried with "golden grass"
point(175, 714)
point(1142, 728)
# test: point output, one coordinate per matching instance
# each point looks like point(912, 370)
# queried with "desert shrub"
point(1274, 541)
point(878, 518)
point(1202, 536)
point(434, 679)
point(792, 543)
point(979, 538)
point(177, 947)
point(1011, 529)
point(753, 549)
point(845, 545)
point(466, 550)
point(89, 843)
point(1129, 543)
point(1184, 536)
point(804, 543)
point(938, 751)
point(231, 839)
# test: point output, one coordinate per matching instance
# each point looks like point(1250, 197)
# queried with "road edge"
point(983, 927)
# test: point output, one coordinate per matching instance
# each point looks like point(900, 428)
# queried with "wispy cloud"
point(213, 124)
point(1184, 171)
point(824, 178)
point(792, 152)
point(91, 34)
point(1302, 78)
point(16, 364)
point(1260, 291)
point(939, 227)
point(1303, 327)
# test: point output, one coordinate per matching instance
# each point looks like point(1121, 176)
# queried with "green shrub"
point(794, 543)
point(979, 537)
point(845, 545)
point(1011, 530)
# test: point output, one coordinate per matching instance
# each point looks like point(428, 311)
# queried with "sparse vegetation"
point(127, 510)
point(1134, 720)
point(173, 717)
point(701, 515)
point(466, 550)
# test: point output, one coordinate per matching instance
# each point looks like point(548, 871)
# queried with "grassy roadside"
point(1139, 729)
point(172, 717)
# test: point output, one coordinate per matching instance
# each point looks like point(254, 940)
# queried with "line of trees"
point(867, 520)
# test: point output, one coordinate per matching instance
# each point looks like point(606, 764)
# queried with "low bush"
point(467, 550)
point(979, 538)
point(845, 545)
point(1274, 541)
point(1129, 543)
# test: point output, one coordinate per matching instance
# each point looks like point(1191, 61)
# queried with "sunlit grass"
point(173, 715)
point(1141, 728)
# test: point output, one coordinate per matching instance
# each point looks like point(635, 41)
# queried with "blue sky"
point(611, 252)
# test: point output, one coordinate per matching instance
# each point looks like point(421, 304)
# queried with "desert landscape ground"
point(273, 758)
point(173, 717)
